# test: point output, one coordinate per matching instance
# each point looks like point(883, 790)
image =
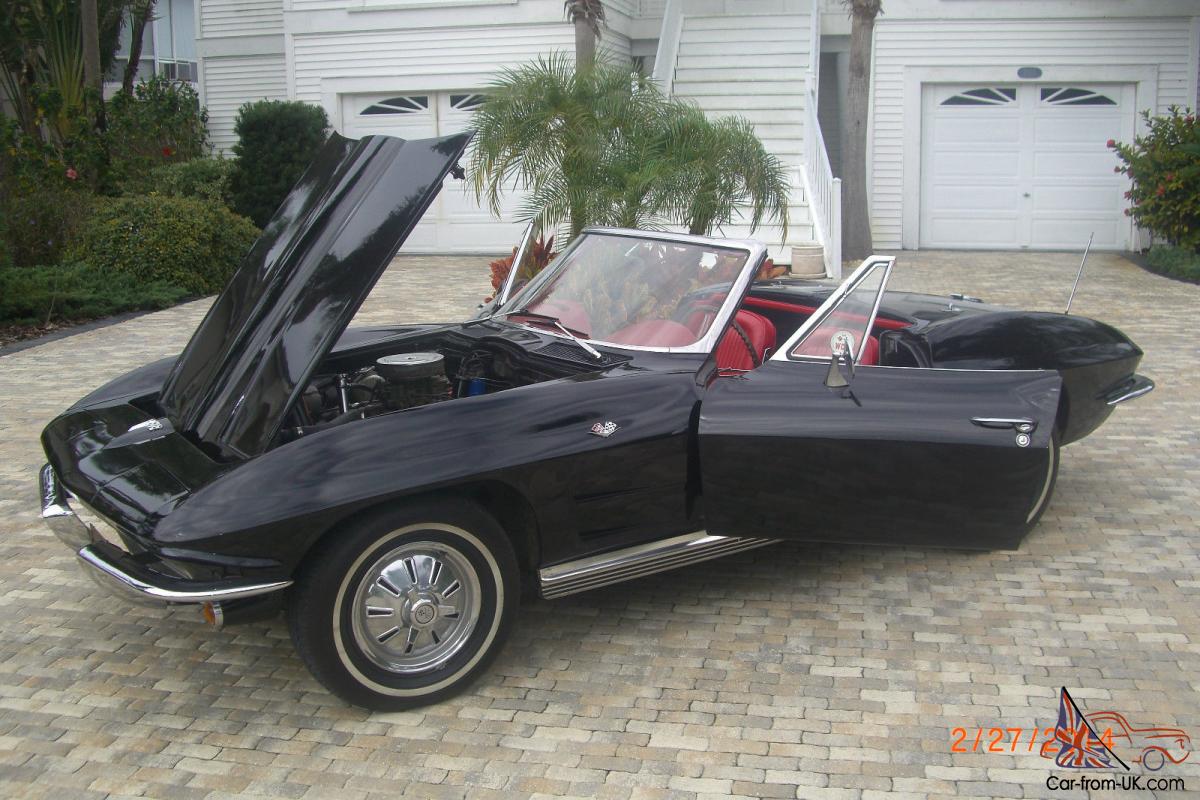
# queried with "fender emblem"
point(604, 429)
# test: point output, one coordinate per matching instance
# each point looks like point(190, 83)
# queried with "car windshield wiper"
point(556, 322)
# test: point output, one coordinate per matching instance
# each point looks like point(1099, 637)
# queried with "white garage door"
point(1024, 166)
point(456, 223)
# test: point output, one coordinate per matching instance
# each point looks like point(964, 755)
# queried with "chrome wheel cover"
point(415, 607)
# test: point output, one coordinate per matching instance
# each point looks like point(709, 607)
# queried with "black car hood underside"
point(299, 286)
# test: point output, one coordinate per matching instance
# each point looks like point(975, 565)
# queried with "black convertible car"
point(640, 404)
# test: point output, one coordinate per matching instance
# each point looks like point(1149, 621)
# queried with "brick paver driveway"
point(794, 671)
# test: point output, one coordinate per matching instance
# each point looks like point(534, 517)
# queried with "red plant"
point(539, 255)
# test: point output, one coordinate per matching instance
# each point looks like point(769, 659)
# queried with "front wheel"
point(407, 606)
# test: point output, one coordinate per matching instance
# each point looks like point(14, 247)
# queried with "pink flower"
point(1112, 143)
point(72, 174)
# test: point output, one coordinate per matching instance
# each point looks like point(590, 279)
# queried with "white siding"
point(1004, 45)
point(230, 82)
point(766, 88)
point(407, 60)
point(240, 17)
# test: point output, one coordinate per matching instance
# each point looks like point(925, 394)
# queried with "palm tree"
point(603, 146)
point(856, 220)
point(717, 167)
point(587, 16)
point(566, 136)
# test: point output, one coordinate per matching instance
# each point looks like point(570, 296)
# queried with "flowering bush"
point(1164, 166)
point(160, 123)
point(185, 242)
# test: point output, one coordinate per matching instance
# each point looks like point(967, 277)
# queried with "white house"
point(988, 119)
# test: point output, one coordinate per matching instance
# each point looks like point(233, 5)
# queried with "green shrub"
point(1178, 262)
point(276, 142)
point(161, 122)
point(194, 244)
point(5, 255)
point(77, 292)
point(40, 226)
point(201, 178)
point(1164, 166)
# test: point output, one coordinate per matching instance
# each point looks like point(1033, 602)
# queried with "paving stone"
point(801, 670)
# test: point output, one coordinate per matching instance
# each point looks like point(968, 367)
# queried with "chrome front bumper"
point(120, 573)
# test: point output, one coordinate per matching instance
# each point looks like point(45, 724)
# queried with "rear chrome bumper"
point(1135, 386)
point(120, 573)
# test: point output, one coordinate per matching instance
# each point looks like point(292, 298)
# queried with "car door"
point(812, 448)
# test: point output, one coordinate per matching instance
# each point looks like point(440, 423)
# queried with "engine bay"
point(416, 372)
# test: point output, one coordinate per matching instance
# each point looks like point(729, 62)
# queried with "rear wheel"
point(407, 606)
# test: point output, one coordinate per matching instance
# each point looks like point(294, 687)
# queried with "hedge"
point(277, 140)
point(181, 241)
point(35, 296)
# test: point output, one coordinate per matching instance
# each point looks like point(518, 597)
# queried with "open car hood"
point(300, 284)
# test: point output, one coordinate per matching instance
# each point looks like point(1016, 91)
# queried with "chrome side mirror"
point(841, 363)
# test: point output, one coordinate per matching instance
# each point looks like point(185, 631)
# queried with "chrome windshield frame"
point(511, 278)
point(756, 252)
point(832, 302)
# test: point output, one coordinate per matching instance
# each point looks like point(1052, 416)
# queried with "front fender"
point(278, 504)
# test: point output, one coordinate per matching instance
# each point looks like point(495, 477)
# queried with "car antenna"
point(1079, 274)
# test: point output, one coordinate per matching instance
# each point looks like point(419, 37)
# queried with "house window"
point(985, 96)
point(412, 104)
point(168, 44)
point(1056, 96)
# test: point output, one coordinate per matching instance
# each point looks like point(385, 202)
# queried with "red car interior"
point(736, 353)
point(654, 333)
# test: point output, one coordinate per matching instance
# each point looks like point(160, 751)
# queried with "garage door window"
point(1075, 97)
point(985, 96)
point(466, 102)
point(413, 104)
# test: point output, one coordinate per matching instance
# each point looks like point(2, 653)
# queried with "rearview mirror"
point(841, 363)
point(841, 372)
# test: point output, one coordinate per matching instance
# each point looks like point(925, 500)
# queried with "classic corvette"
point(640, 404)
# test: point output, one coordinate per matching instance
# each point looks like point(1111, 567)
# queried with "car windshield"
point(631, 291)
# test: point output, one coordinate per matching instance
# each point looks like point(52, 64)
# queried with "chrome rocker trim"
point(1136, 386)
point(116, 572)
point(634, 562)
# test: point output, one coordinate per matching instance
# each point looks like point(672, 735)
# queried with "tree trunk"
point(139, 16)
point(856, 219)
point(92, 77)
point(90, 24)
point(585, 43)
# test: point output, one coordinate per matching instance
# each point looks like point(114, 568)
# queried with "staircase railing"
point(824, 191)
point(668, 45)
